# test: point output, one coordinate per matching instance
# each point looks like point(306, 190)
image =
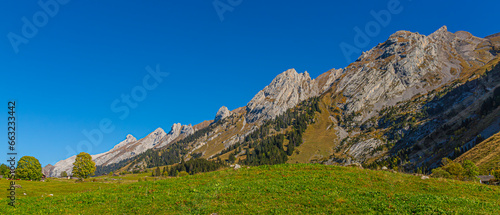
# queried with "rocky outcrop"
point(47, 169)
point(285, 91)
point(128, 140)
point(176, 131)
point(405, 65)
point(362, 150)
point(222, 114)
point(64, 165)
point(187, 129)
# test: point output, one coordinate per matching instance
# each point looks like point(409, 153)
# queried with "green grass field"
point(279, 189)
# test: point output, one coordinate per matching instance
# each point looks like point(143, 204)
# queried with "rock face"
point(187, 129)
point(128, 140)
point(176, 131)
point(285, 91)
point(47, 169)
point(396, 70)
point(361, 150)
point(405, 65)
point(222, 113)
point(128, 148)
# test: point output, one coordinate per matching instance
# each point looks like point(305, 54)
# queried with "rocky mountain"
point(408, 64)
point(128, 148)
point(407, 102)
point(286, 91)
point(408, 98)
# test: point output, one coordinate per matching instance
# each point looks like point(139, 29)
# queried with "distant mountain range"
point(408, 102)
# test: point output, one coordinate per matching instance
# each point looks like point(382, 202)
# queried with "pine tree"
point(157, 171)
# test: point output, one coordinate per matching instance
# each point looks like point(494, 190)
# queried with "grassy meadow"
point(278, 189)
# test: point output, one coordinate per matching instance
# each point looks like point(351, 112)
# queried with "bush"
point(455, 169)
point(450, 169)
point(496, 173)
point(183, 173)
point(440, 173)
point(470, 170)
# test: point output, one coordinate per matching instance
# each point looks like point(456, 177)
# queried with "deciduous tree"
point(83, 167)
point(5, 171)
point(470, 170)
point(28, 168)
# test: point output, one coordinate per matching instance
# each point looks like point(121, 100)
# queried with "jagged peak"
point(222, 113)
point(306, 74)
point(401, 33)
point(159, 130)
point(443, 29)
point(175, 127)
point(292, 74)
point(440, 32)
point(130, 137)
point(187, 129)
point(291, 71)
point(492, 36)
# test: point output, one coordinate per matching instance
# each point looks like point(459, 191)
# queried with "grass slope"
point(282, 189)
point(59, 187)
point(486, 155)
point(319, 139)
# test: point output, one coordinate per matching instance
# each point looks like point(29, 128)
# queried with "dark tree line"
point(490, 103)
point(271, 150)
point(104, 170)
point(173, 153)
point(195, 166)
point(153, 157)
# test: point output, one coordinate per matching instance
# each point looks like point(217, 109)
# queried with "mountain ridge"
point(396, 71)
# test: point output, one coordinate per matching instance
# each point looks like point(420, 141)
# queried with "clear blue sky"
point(89, 53)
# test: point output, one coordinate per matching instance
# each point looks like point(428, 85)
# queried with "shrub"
point(455, 169)
point(440, 173)
point(496, 173)
point(183, 173)
point(470, 170)
point(450, 169)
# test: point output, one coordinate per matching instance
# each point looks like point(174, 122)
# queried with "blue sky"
point(90, 53)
